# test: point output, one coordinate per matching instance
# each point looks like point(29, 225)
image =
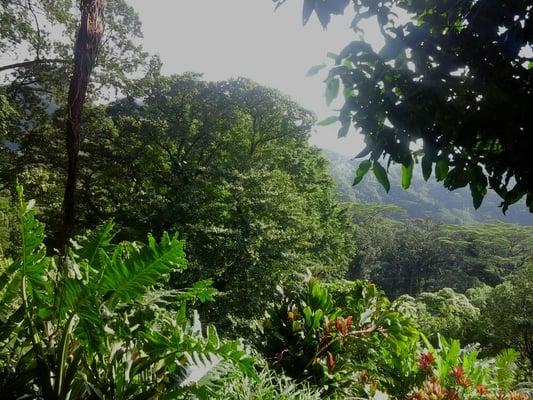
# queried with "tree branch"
point(31, 63)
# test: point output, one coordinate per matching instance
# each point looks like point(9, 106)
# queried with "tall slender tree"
point(88, 39)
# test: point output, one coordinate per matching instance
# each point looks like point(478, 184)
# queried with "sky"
point(231, 38)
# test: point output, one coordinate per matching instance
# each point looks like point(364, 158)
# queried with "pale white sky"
point(230, 38)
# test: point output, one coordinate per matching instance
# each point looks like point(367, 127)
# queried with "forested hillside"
point(423, 199)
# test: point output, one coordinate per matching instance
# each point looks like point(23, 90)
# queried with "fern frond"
point(32, 261)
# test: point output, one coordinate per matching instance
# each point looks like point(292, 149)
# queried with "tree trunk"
point(85, 52)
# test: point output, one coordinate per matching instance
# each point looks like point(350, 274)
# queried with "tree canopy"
point(451, 89)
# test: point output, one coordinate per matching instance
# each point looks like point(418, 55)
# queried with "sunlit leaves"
point(407, 175)
point(129, 277)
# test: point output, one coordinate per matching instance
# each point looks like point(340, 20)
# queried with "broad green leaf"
point(332, 89)
point(427, 166)
point(478, 191)
point(441, 170)
point(130, 276)
point(381, 175)
point(317, 318)
point(308, 316)
point(407, 175)
point(315, 70)
point(328, 121)
point(361, 171)
point(99, 238)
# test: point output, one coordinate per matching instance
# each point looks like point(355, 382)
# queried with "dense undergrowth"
point(102, 322)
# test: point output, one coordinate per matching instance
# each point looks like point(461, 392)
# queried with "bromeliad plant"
point(350, 343)
point(97, 323)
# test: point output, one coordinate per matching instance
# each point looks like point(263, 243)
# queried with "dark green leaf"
point(343, 131)
point(427, 166)
point(363, 153)
point(361, 171)
point(381, 175)
point(441, 170)
point(332, 90)
point(309, 6)
point(407, 175)
point(328, 121)
point(478, 191)
point(315, 69)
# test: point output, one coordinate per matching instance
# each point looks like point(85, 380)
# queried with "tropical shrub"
point(97, 323)
point(506, 317)
point(352, 342)
point(455, 373)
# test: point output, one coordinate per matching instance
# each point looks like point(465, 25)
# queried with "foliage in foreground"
point(97, 324)
point(354, 343)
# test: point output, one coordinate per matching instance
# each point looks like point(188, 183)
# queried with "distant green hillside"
point(423, 199)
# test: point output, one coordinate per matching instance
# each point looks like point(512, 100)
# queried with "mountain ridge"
point(423, 199)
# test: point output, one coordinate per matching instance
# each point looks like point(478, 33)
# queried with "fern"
point(32, 264)
point(78, 340)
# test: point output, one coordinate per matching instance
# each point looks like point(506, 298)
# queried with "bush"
point(349, 343)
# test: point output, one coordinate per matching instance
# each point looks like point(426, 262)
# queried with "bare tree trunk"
point(85, 52)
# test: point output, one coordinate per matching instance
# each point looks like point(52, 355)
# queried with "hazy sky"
point(230, 38)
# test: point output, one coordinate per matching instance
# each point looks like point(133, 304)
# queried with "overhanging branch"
point(31, 63)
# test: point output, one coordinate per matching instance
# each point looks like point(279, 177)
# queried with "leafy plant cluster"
point(98, 322)
point(348, 339)
point(497, 317)
point(102, 322)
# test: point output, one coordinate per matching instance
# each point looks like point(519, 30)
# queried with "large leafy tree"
point(506, 314)
point(455, 77)
point(225, 162)
point(411, 256)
